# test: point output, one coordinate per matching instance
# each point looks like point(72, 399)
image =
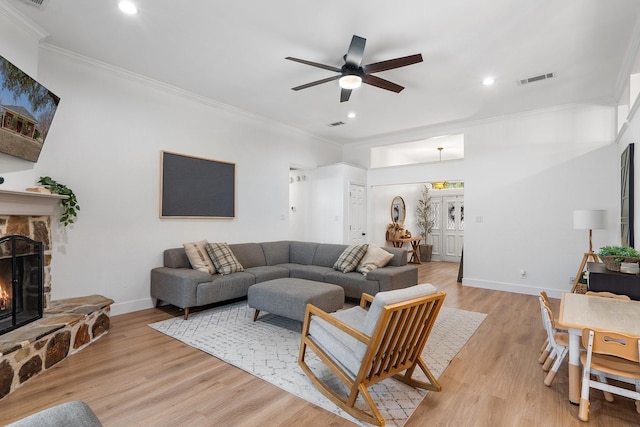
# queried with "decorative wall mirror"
point(398, 210)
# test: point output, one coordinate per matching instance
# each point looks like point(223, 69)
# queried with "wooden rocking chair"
point(363, 347)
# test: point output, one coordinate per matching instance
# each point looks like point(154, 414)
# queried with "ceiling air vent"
point(36, 3)
point(535, 78)
point(334, 124)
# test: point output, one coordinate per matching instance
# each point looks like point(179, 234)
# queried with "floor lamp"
point(588, 220)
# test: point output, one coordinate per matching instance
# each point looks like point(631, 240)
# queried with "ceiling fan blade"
point(315, 64)
point(344, 95)
point(317, 82)
point(376, 67)
point(353, 58)
point(381, 83)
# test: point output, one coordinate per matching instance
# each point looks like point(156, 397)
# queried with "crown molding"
point(13, 14)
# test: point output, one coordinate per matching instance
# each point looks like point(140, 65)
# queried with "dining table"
point(580, 311)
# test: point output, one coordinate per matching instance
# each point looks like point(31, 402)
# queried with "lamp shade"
point(589, 219)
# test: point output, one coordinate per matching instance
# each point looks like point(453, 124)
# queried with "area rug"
point(268, 349)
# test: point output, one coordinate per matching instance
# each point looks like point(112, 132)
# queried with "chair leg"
point(544, 346)
point(547, 363)
point(554, 369)
point(543, 356)
point(186, 313)
point(607, 395)
point(583, 411)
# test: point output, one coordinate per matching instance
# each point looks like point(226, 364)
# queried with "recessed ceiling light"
point(351, 115)
point(488, 81)
point(128, 7)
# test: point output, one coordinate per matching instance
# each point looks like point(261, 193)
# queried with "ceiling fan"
point(352, 73)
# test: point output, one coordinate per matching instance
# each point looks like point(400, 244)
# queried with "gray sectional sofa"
point(178, 284)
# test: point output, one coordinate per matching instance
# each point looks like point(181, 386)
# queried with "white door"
point(453, 228)
point(357, 225)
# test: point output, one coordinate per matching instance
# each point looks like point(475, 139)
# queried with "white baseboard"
point(511, 287)
point(130, 306)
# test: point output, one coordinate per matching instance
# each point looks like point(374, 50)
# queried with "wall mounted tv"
point(26, 112)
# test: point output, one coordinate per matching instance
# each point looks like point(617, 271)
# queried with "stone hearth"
point(67, 327)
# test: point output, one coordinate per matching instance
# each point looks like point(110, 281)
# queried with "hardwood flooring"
point(136, 376)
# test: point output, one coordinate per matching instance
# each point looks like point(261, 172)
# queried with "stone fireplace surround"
point(68, 325)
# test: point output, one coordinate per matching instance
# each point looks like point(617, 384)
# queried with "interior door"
point(453, 228)
point(357, 224)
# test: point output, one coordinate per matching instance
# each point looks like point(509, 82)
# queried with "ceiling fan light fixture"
point(350, 81)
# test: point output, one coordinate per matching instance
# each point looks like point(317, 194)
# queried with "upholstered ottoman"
point(288, 297)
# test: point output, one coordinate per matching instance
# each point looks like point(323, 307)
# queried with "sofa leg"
point(186, 313)
point(255, 315)
point(158, 302)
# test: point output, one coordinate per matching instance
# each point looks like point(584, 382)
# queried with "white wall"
point(524, 175)
point(105, 144)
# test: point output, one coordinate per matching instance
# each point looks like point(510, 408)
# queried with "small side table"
point(415, 247)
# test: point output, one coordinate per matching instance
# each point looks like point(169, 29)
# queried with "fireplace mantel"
point(28, 203)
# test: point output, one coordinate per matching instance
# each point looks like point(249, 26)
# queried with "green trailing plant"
point(70, 205)
point(621, 251)
point(423, 212)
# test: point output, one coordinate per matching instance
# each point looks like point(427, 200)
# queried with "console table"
point(603, 280)
point(415, 247)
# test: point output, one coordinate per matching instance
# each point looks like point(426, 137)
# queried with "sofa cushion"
point(248, 254)
point(302, 252)
point(276, 252)
point(327, 254)
point(309, 272)
point(224, 288)
point(199, 257)
point(354, 283)
point(223, 258)
point(267, 272)
point(350, 258)
point(375, 257)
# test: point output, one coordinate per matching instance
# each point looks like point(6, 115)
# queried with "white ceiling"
point(233, 52)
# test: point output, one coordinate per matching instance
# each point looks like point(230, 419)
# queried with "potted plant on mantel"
point(425, 224)
point(69, 205)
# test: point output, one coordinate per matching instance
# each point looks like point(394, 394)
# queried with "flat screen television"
point(26, 112)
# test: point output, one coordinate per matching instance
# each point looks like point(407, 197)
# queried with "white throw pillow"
point(376, 257)
point(199, 257)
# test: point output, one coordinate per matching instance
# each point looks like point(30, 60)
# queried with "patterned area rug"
point(268, 349)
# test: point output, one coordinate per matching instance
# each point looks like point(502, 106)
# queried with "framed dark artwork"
point(626, 196)
point(195, 187)
point(27, 109)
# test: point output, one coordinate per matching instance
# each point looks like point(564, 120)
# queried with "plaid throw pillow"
point(350, 258)
point(223, 259)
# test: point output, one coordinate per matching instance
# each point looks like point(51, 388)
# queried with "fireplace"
point(21, 281)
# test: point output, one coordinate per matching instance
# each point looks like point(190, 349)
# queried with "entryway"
point(447, 235)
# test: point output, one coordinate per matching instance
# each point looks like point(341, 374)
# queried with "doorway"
point(447, 235)
point(357, 214)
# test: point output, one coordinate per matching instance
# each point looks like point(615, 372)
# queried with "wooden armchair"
point(363, 347)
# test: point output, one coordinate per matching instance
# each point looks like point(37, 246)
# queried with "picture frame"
point(196, 187)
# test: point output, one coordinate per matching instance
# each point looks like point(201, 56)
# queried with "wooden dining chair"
point(557, 344)
point(363, 347)
point(605, 294)
point(546, 348)
point(609, 355)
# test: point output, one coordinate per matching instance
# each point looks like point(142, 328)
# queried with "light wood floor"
point(135, 376)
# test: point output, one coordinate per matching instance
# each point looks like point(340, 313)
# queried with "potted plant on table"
point(425, 224)
point(613, 256)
